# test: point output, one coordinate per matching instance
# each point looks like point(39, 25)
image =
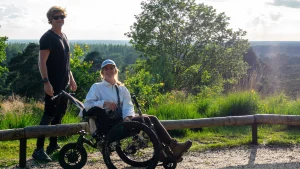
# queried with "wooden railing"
point(23, 134)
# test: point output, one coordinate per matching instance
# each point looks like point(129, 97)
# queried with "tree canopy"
point(24, 78)
point(2, 49)
point(3, 69)
point(189, 45)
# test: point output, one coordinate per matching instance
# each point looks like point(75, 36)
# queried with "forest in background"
point(270, 70)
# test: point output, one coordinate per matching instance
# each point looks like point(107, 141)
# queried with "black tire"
point(169, 164)
point(132, 140)
point(72, 156)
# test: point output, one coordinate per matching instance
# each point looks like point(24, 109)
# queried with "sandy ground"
point(257, 157)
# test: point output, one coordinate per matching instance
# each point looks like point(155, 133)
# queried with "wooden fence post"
point(254, 133)
point(22, 157)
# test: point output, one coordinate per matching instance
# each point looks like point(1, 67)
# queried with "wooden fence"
point(23, 134)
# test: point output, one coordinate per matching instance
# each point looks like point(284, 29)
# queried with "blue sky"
point(266, 20)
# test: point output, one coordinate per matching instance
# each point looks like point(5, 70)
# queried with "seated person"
point(110, 94)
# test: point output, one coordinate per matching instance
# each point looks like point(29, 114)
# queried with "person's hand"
point(48, 89)
point(73, 85)
point(127, 118)
point(110, 105)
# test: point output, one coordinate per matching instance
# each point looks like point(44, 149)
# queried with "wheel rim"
point(139, 149)
point(73, 156)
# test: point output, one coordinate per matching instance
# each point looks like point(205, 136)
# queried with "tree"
point(3, 45)
point(3, 69)
point(13, 49)
point(96, 59)
point(24, 78)
point(143, 84)
point(80, 69)
point(189, 45)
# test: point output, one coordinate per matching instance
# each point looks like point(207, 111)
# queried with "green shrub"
point(174, 106)
point(144, 86)
point(241, 103)
point(233, 104)
point(20, 112)
point(280, 104)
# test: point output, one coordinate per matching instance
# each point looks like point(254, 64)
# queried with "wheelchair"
point(133, 143)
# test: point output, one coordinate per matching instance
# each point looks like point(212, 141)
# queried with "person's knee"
point(57, 118)
point(46, 119)
point(62, 105)
point(95, 111)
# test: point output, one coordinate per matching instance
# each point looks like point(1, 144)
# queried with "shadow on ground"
point(251, 163)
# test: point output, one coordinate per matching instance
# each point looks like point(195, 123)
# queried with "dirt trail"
point(254, 157)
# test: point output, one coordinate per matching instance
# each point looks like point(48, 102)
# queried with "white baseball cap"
point(108, 62)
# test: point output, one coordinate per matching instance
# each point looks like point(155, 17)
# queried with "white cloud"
point(92, 19)
point(275, 16)
point(260, 19)
point(286, 3)
point(11, 11)
point(265, 19)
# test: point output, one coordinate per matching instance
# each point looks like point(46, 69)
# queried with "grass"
point(176, 105)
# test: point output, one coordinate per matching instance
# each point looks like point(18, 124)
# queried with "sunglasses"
point(108, 68)
point(60, 16)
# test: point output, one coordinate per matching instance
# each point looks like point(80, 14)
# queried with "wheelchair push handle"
point(64, 93)
point(69, 96)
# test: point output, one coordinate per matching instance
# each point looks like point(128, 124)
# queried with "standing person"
point(54, 66)
point(111, 94)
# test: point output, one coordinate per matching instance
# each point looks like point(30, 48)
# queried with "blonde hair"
point(116, 77)
point(53, 10)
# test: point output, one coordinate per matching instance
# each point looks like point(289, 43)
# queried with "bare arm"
point(73, 85)
point(43, 57)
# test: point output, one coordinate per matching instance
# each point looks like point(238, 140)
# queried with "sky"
point(264, 20)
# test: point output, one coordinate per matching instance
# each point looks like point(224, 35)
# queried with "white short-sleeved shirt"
point(104, 91)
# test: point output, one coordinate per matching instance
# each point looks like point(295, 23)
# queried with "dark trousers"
point(54, 111)
point(104, 124)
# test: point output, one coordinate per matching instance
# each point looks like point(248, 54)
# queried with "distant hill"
point(261, 48)
point(113, 42)
point(275, 48)
point(23, 41)
point(275, 43)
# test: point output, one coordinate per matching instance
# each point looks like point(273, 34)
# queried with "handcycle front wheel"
point(72, 156)
point(135, 144)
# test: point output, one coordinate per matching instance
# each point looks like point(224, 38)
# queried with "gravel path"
point(257, 157)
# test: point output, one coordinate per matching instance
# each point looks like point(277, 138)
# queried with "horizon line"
point(129, 40)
